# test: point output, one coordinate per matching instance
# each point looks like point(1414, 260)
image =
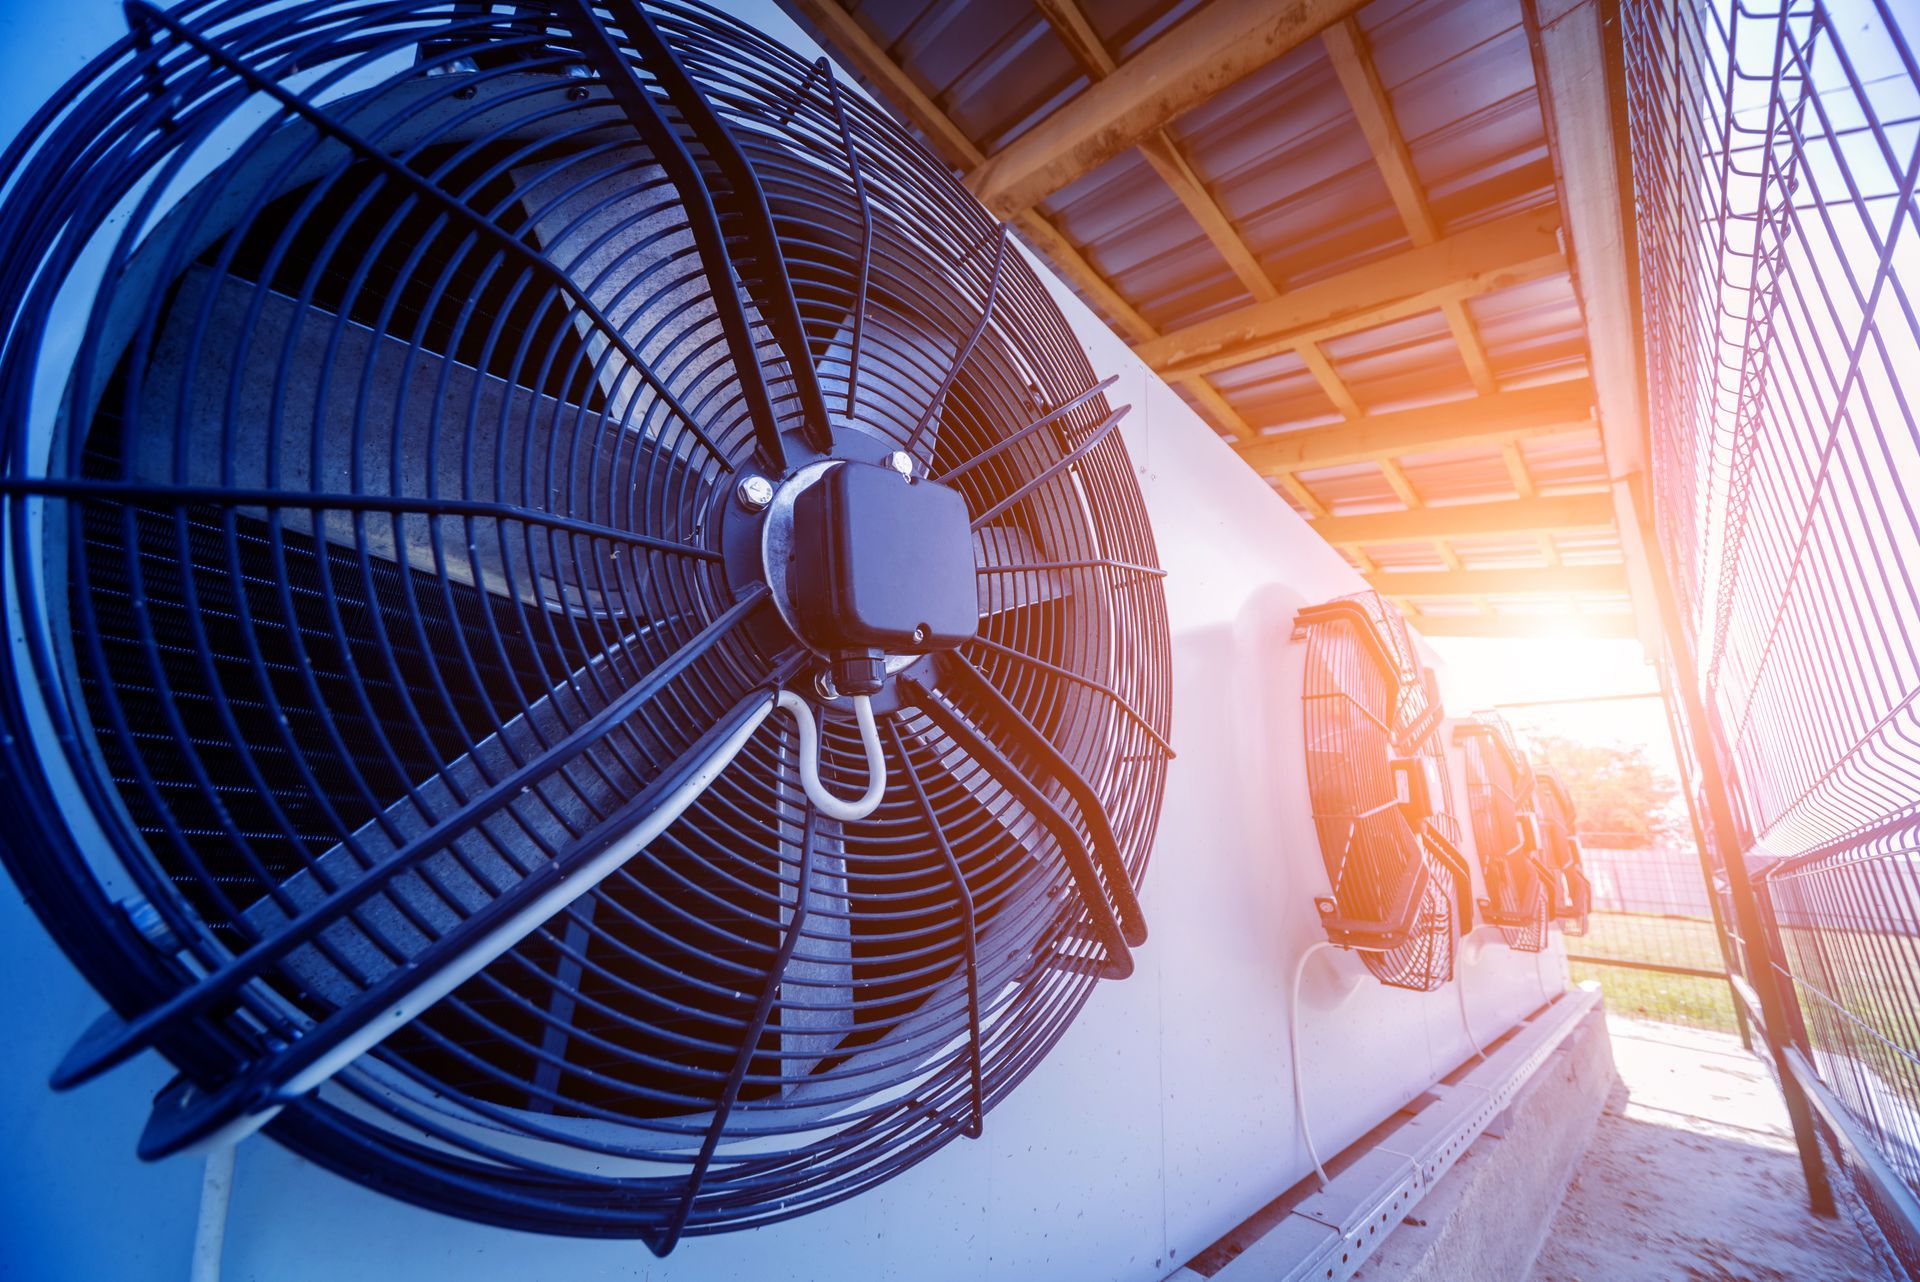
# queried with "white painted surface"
point(1162, 1119)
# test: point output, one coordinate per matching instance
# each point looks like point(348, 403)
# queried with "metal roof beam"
point(1494, 255)
point(1219, 44)
point(1471, 520)
point(1550, 410)
point(1567, 578)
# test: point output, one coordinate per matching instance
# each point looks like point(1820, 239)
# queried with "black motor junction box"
point(882, 562)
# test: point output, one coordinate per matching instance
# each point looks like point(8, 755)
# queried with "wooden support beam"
point(1517, 468)
point(1568, 578)
point(1508, 251)
point(1083, 42)
point(840, 32)
point(1219, 44)
point(1330, 381)
point(1161, 153)
point(1471, 520)
point(1069, 22)
point(1397, 481)
point(1308, 499)
point(1216, 408)
point(1353, 64)
point(1609, 627)
point(1550, 410)
point(1579, 66)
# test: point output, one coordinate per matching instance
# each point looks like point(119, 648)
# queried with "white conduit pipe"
point(1299, 1091)
point(1460, 987)
point(210, 1233)
point(823, 801)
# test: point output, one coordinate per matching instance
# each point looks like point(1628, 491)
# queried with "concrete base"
point(1461, 1184)
point(1489, 1216)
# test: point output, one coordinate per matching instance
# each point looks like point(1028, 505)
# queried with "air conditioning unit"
point(1572, 891)
point(595, 654)
point(1506, 833)
point(1401, 890)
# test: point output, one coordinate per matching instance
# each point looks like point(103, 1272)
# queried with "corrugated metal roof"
point(1285, 155)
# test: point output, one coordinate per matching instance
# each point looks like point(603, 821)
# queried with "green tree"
point(1621, 797)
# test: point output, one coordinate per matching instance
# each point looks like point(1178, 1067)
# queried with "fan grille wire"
point(396, 453)
point(1572, 891)
point(1367, 702)
point(1500, 791)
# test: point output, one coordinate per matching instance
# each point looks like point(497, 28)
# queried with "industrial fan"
point(582, 643)
point(1506, 830)
point(1401, 892)
point(1572, 891)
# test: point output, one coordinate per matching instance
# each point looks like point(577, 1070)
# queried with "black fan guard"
point(1381, 805)
point(1572, 889)
point(385, 518)
point(1500, 798)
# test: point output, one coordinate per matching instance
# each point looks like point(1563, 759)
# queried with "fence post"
point(1680, 756)
point(1756, 946)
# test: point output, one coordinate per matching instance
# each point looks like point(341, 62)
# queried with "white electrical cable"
point(505, 935)
point(823, 801)
point(551, 901)
point(210, 1234)
point(1460, 986)
point(1299, 1092)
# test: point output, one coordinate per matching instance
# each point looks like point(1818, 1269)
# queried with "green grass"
point(1872, 972)
point(1662, 999)
point(1651, 995)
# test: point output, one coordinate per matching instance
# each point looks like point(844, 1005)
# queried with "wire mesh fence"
point(1776, 157)
point(1650, 939)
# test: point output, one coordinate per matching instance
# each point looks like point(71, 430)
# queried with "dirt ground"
point(1691, 1174)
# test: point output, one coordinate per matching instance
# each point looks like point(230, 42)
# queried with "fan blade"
point(1106, 925)
point(961, 676)
point(112, 1039)
point(697, 198)
point(610, 231)
point(183, 1116)
point(1011, 572)
point(437, 891)
point(417, 407)
point(816, 1007)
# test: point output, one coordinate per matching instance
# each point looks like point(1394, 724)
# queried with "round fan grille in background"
point(1572, 892)
point(1500, 795)
point(1372, 720)
point(377, 559)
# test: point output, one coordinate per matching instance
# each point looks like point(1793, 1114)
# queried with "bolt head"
point(919, 634)
point(901, 462)
point(755, 492)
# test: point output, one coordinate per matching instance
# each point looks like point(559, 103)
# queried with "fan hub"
point(869, 568)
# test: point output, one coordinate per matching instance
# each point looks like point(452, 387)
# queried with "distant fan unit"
point(582, 642)
point(1401, 893)
point(1572, 891)
point(1500, 795)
